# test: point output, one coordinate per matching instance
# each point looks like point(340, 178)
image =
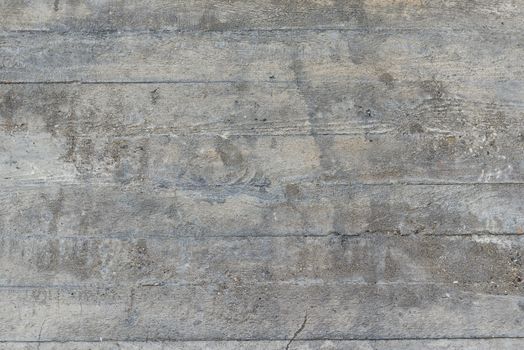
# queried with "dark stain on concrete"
point(229, 153)
point(56, 206)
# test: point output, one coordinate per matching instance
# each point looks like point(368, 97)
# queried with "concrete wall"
point(314, 174)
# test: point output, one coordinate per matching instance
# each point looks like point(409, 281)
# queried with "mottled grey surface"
point(314, 174)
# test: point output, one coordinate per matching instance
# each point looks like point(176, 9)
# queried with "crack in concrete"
point(40, 333)
point(297, 332)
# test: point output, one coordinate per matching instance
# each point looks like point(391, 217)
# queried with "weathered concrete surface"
point(261, 174)
point(265, 133)
point(96, 209)
point(477, 344)
point(484, 344)
point(366, 259)
point(220, 15)
point(246, 310)
point(307, 57)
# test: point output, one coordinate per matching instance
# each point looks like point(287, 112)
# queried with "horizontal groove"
point(123, 82)
point(302, 339)
point(260, 133)
point(415, 183)
point(356, 29)
point(357, 235)
point(293, 82)
point(49, 183)
point(168, 284)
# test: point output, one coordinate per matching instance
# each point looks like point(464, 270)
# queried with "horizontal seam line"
point(101, 82)
point(357, 29)
point(14, 183)
point(377, 339)
point(175, 82)
point(362, 235)
point(161, 283)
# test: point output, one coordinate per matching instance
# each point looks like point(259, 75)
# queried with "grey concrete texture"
point(488, 344)
point(315, 174)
